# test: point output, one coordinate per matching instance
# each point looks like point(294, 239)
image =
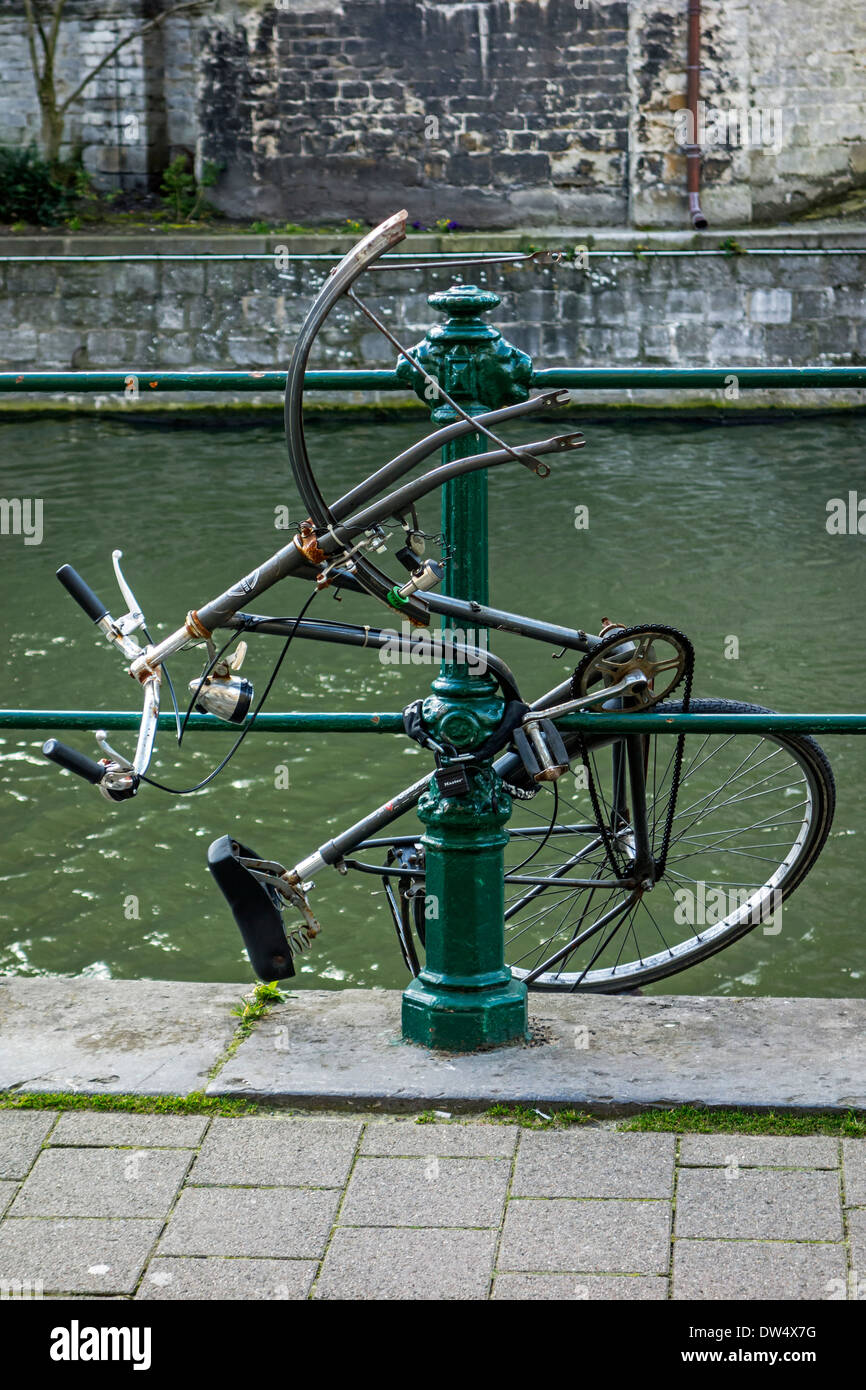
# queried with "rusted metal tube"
point(693, 89)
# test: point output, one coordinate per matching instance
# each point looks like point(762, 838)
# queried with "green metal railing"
point(577, 378)
point(395, 259)
point(391, 722)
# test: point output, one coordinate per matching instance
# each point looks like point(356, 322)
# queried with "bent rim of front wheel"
point(752, 814)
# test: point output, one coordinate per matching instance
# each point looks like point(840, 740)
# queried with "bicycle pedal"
point(452, 781)
point(255, 907)
point(541, 750)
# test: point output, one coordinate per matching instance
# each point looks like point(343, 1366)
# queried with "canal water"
point(719, 529)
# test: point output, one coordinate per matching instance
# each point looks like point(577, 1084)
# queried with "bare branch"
point(130, 38)
point(34, 27)
point(59, 7)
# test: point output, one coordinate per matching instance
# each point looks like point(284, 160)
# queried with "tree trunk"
point(52, 119)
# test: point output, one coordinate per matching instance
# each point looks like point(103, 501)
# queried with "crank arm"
point(632, 680)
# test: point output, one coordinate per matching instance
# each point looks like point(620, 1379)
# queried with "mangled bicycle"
point(611, 833)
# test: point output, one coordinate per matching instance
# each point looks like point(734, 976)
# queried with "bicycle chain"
point(686, 681)
point(520, 793)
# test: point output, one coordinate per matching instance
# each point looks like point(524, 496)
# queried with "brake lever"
point(124, 775)
point(133, 619)
point(123, 764)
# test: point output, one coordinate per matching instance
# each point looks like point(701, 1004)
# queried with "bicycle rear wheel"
point(752, 814)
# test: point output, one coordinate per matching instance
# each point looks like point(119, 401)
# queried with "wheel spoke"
point(747, 805)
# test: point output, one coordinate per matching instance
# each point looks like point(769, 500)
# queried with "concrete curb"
point(144, 1037)
point(342, 1049)
point(605, 1054)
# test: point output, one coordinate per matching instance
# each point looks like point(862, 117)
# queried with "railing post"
point(465, 997)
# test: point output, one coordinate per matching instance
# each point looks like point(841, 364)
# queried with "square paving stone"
point(22, 1133)
point(594, 1163)
point(276, 1222)
point(266, 1152)
point(757, 1151)
point(854, 1165)
point(216, 1277)
point(373, 1264)
point(7, 1192)
point(561, 1288)
point(102, 1182)
point(115, 1129)
point(79, 1256)
point(749, 1269)
point(758, 1204)
point(428, 1191)
point(614, 1237)
point(405, 1138)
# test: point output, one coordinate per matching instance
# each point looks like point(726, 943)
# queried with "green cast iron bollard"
point(465, 997)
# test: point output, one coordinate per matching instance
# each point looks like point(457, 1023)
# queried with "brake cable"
point(170, 685)
point(188, 791)
point(547, 834)
point(210, 666)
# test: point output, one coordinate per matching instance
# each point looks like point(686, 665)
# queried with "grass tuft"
point(692, 1119)
point(197, 1103)
point(529, 1118)
point(250, 1010)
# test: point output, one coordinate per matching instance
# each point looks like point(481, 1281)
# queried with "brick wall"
point(493, 113)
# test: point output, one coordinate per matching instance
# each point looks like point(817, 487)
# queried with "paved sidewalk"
point(276, 1207)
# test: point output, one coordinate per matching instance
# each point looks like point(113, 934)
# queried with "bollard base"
point(454, 1020)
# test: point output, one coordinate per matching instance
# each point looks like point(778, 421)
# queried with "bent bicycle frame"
point(334, 547)
point(331, 853)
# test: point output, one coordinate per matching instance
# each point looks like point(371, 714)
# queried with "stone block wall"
point(805, 307)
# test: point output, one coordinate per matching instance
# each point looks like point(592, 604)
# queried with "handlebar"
point(115, 777)
point(74, 761)
point(82, 593)
point(91, 771)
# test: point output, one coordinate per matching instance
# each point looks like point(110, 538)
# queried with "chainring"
point(603, 663)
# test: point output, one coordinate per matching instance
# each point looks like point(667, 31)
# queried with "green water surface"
point(718, 529)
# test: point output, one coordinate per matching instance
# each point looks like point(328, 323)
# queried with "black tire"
point(819, 803)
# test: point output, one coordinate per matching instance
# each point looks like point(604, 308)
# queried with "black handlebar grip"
point(74, 761)
point(81, 592)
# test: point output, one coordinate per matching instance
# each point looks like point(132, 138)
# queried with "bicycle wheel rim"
point(791, 773)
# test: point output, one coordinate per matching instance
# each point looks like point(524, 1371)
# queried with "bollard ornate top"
point(472, 360)
point(463, 299)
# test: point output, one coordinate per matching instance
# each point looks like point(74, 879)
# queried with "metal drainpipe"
point(693, 150)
